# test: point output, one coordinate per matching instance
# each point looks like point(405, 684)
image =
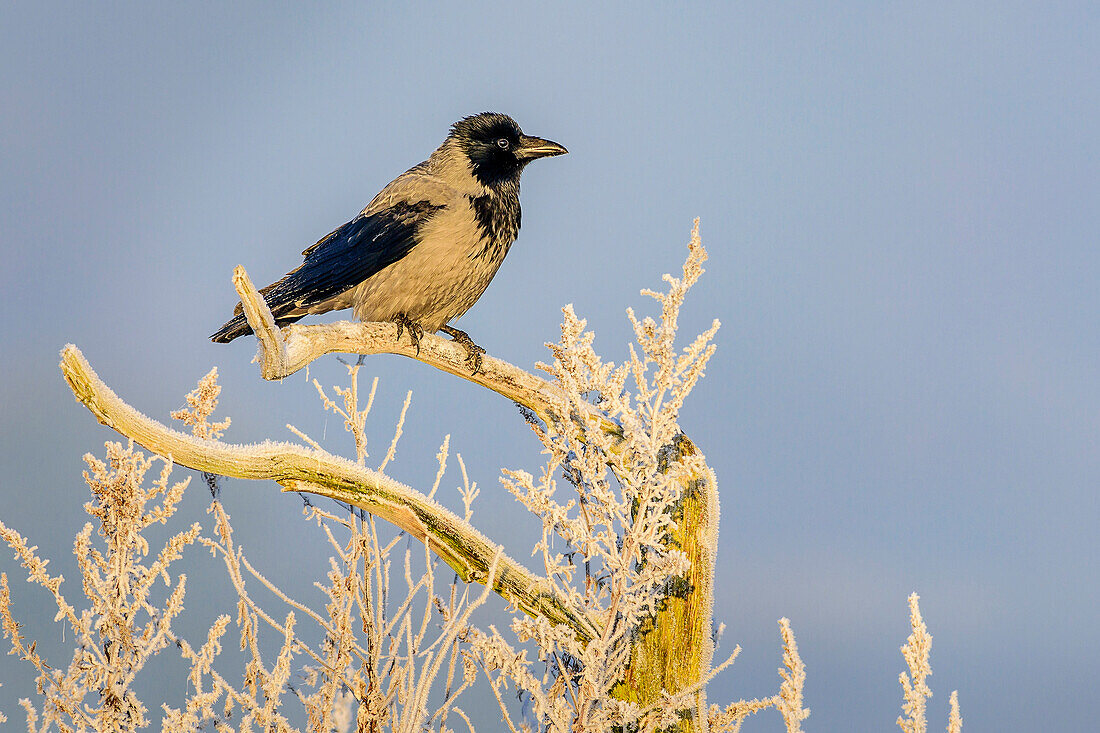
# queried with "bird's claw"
point(473, 351)
point(473, 357)
point(404, 323)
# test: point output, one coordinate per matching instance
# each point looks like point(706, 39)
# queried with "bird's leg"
point(404, 323)
point(473, 351)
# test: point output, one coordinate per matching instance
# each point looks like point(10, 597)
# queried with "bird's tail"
point(237, 326)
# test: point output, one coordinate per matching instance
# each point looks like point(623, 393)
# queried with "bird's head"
point(496, 148)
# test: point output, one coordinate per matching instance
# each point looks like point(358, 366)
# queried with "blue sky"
point(900, 205)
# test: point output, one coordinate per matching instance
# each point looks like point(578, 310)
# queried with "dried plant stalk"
point(954, 720)
point(124, 626)
point(914, 685)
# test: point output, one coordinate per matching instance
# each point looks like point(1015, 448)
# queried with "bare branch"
point(284, 351)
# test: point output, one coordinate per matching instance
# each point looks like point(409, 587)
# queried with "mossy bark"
point(673, 649)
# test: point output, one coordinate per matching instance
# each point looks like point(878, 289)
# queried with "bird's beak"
point(535, 147)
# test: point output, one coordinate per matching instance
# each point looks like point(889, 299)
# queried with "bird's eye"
point(503, 143)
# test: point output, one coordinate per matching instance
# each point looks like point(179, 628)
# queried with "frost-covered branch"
point(284, 351)
point(298, 468)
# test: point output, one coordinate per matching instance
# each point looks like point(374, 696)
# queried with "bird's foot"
point(473, 351)
point(404, 323)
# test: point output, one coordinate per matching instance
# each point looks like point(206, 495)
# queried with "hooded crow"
point(426, 247)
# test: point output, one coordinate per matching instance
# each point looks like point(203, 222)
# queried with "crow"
point(425, 248)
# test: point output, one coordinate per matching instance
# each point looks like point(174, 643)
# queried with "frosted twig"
point(308, 440)
point(441, 456)
point(914, 684)
point(789, 700)
point(954, 720)
point(397, 433)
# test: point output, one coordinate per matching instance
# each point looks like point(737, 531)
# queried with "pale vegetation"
point(612, 632)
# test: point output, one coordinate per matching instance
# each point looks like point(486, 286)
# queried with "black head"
point(498, 150)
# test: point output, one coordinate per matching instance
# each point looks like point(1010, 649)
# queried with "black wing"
point(339, 262)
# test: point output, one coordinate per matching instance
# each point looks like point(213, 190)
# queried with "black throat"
point(497, 214)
